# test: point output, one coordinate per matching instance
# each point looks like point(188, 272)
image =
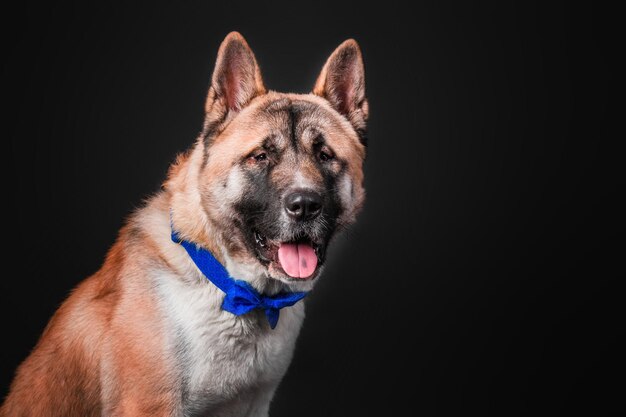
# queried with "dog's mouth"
point(298, 259)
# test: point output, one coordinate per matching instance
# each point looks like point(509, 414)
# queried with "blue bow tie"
point(241, 297)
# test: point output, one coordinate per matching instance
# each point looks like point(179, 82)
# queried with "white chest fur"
point(225, 362)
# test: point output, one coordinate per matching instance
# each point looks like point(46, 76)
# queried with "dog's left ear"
point(342, 83)
point(236, 78)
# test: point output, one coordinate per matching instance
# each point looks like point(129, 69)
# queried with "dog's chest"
point(219, 356)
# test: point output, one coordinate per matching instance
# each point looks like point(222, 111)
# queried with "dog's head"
point(278, 174)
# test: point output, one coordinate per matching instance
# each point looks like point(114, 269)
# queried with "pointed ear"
point(236, 78)
point(342, 83)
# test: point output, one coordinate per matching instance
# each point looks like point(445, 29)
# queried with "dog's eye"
point(260, 157)
point(326, 155)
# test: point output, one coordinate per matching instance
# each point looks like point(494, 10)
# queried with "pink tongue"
point(297, 259)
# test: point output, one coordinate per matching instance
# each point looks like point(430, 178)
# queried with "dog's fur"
point(145, 335)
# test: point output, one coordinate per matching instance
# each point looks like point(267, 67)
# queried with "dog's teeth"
point(259, 239)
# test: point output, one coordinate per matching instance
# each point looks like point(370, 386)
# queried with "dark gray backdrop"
point(481, 276)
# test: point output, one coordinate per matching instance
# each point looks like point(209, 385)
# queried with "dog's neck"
point(185, 204)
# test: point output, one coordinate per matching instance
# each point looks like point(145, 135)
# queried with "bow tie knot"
point(242, 298)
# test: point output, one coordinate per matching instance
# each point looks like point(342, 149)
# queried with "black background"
point(482, 274)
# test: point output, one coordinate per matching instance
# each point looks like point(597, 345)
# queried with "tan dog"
point(269, 181)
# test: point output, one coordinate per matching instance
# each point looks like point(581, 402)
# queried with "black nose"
point(303, 205)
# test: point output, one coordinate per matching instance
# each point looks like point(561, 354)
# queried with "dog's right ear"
point(236, 78)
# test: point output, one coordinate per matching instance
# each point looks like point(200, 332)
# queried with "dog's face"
point(283, 172)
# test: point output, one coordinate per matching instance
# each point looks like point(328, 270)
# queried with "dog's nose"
point(303, 205)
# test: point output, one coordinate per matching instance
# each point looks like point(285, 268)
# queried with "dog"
point(197, 307)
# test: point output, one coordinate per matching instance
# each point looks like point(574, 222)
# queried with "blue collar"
point(240, 297)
